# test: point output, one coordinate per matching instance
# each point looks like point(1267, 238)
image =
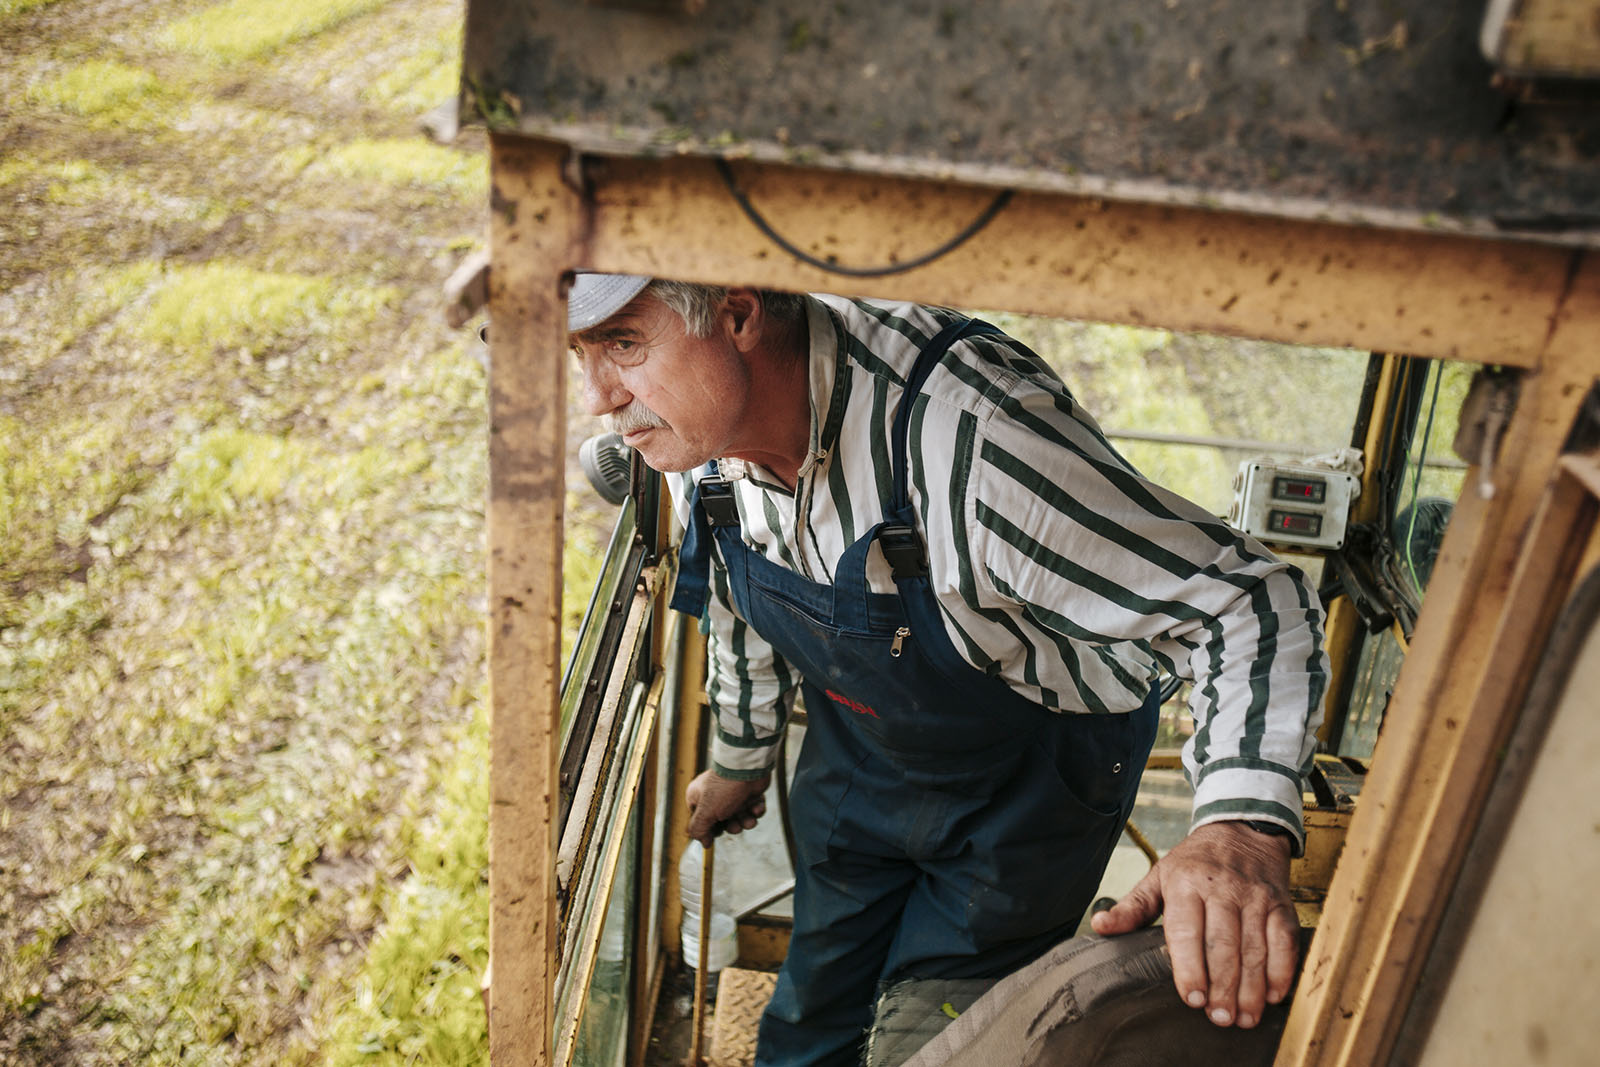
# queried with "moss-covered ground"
point(241, 522)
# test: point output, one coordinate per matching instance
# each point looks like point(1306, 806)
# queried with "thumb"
point(1139, 908)
point(702, 820)
point(702, 825)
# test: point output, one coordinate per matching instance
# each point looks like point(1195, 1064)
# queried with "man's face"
point(677, 399)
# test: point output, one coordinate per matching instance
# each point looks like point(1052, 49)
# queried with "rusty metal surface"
point(741, 998)
point(1377, 111)
point(1544, 38)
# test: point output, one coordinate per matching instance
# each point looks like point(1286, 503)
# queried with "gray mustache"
point(634, 417)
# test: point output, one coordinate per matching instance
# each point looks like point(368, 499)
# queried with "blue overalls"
point(946, 827)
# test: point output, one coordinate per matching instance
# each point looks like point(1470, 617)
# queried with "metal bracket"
point(1485, 414)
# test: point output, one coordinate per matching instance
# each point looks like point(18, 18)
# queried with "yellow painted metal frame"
point(1343, 628)
point(1568, 526)
point(1522, 305)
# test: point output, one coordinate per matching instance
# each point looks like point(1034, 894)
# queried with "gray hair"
point(697, 305)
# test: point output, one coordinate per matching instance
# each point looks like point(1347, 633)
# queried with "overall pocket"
point(1096, 761)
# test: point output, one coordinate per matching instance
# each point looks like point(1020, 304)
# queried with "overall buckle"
point(716, 496)
point(902, 547)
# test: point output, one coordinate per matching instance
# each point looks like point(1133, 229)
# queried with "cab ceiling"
point(1380, 112)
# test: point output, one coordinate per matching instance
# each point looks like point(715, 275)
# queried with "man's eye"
point(622, 350)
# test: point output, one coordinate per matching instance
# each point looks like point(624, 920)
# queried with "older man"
point(904, 512)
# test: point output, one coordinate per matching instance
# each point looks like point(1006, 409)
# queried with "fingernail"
point(1246, 1021)
point(1196, 999)
point(1220, 1016)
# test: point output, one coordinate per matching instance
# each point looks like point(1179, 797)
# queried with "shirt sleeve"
point(748, 684)
point(1102, 556)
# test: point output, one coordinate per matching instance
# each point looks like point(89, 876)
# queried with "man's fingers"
point(1252, 966)
point(701, 826)
point(1283, 951)
point(718, 804)
point(1222, 941)
point(1186, 933)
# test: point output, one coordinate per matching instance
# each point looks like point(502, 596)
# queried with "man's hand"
point(1231, 928)
point(724, 805)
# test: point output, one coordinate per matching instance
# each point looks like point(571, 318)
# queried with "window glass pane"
point(1426, 491)
point(1433, 476)
point(590, 582)
point(1247, 398)
point(1376, 674)
point(603, 1033)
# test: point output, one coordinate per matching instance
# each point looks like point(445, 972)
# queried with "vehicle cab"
point(1378, 218)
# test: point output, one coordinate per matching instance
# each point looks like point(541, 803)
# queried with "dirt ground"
point(241, 485)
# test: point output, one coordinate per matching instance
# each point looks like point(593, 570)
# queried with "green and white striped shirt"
point(1056, 566)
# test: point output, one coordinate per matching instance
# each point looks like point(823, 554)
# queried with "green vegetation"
point(17, 7)
point(221, 305)
point(241, 511)
point(420, 80)
point(417, 995)
point(76, 181)
point(246, 29)
point(395, 161)
point(106, 91)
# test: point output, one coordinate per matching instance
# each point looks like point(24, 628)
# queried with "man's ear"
point(743, 318)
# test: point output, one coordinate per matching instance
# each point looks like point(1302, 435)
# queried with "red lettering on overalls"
point(859, 709)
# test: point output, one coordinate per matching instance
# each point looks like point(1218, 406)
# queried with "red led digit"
point(1294, 522)
point(1314, 490)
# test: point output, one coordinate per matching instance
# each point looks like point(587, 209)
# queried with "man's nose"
point(603, 392)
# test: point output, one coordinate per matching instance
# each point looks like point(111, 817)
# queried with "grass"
point(416, 999)
point(108, 92)
point(219, 674)
point(247, 29)
point(18, 7)
point(76, 181)
point(241, 508)
point(223, 305)
point(421, 79)
point(399, 161)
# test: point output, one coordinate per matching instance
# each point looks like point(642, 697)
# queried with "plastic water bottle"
point(723, 945)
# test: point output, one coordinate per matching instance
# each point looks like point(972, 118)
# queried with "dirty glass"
point(1186, 408)
point(1423, 499)
point(607, 1016)
point(1433, 478)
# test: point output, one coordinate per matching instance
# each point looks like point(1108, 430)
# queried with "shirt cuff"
point(743, 762)
point(1228, 791)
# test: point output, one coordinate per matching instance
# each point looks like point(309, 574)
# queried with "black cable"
point(983, 219)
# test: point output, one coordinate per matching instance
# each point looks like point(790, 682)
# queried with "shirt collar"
point(827, 407)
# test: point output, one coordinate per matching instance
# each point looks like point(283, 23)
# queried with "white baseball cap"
point(594, 298)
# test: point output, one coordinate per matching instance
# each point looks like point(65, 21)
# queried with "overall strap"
point(711, 505)
point(897, 537)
